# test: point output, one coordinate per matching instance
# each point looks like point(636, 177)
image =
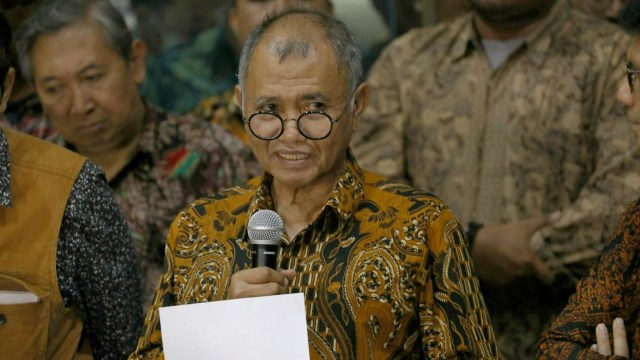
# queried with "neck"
point(300, 207)
point(114, 160)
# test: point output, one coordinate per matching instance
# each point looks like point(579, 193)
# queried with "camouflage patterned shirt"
point(541, 133)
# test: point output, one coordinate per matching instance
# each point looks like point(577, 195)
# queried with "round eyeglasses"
point(312, 124)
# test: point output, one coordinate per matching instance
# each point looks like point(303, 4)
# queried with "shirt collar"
point(538, 41)
point(5, 173)
point(342, 202)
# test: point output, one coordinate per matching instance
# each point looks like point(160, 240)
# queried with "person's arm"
point(600, 296)
point(572, 244)
point(454, 319)
point(97, 267)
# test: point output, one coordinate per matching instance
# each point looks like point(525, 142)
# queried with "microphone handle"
point(264, 255)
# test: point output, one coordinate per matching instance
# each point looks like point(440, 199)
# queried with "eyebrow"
point(271, 99)
point(92, 66)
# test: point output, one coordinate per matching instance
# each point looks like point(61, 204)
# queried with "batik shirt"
point(541, 133)
point(223, 110)
point(93, 228)
point(180, 77)
point(179, 159)
point(610, 290)
point(405, 247)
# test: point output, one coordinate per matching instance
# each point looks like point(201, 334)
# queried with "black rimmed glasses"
point(632, 74)
point(312, 124)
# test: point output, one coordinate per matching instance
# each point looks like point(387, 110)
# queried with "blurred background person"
point(24, 111)
point(67, 266)
point(163, 24)
point(509, 114)
point(182, 76)
point(86, 68)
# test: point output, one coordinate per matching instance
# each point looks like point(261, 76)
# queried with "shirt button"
point(2, 319)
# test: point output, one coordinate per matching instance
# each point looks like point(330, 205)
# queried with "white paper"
point(267, 327)
point(17, 297)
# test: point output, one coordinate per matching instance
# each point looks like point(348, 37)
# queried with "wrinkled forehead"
point(294, 40)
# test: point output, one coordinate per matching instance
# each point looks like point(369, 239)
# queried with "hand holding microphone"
point(265, 233)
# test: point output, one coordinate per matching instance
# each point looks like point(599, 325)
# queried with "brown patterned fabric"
point(224, 111)
point(611, 289)
point(541, 133)
point(384, 270)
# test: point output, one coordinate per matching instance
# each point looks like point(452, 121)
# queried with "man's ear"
point(238, 97)
point(6, 89)
point(361, 101)
point(138, 61)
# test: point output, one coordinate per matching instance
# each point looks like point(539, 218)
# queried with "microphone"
point(265, 233)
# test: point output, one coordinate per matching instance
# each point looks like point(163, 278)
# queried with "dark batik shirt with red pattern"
point(180, 158)
point(611, 289)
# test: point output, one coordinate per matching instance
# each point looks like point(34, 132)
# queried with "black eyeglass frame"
point(304, 113)
point(631, 75)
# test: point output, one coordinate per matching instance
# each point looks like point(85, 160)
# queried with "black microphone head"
point(265, 228)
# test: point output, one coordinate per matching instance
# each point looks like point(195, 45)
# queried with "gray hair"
point(343, 42)
point(54, 15)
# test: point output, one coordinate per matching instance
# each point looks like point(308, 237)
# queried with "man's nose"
point(79, 99)
point(290, 130)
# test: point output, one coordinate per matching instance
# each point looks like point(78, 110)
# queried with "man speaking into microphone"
point(383, 267)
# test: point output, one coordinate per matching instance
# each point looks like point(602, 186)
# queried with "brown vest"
point(42, 176)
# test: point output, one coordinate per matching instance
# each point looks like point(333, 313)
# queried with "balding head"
point(295, 32)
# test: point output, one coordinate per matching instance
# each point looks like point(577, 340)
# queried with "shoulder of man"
point(591, 34)
point(384, 190)
point(443, 34)
point(222, 206)
point(43, 154)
